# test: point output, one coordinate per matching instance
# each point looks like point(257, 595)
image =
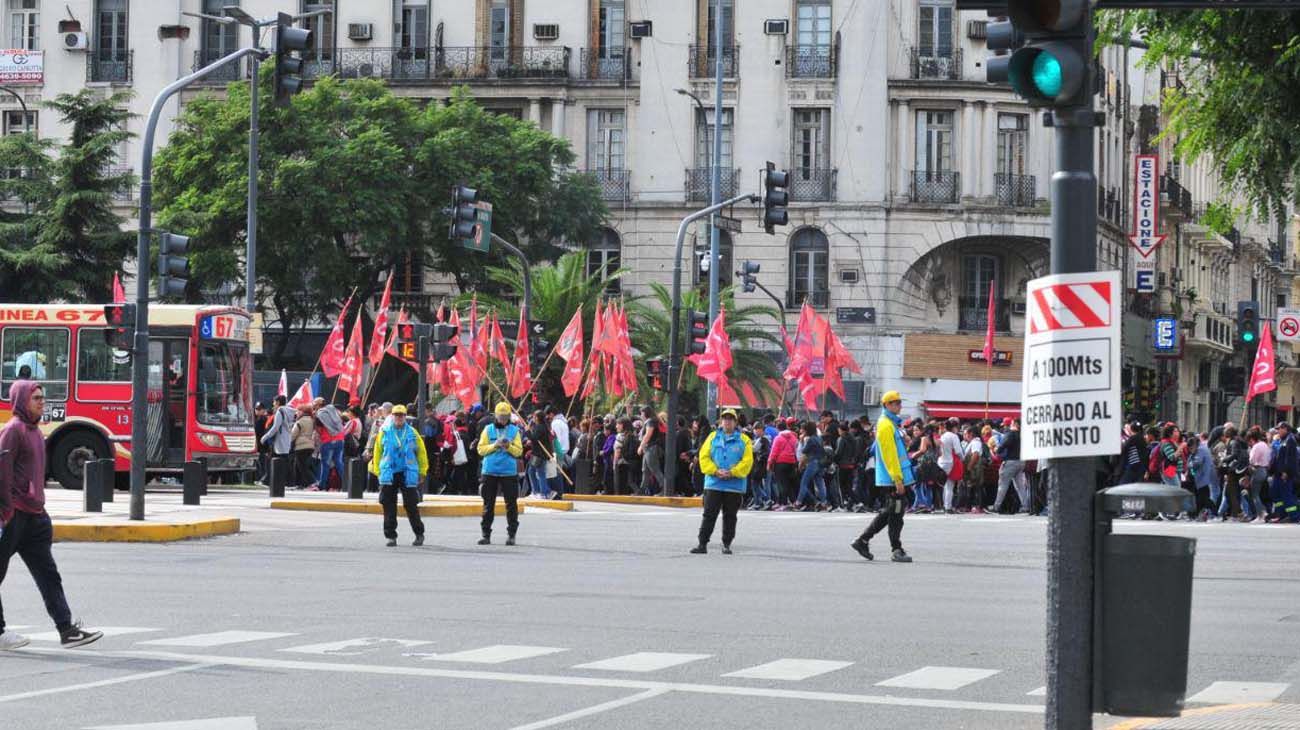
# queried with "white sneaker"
point(10, 640)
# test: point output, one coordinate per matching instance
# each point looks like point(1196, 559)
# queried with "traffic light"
point(407, 342)
point(538, 352)
point(287, 78)
point(1248, 324)
point(775, 198)
point(463, 214)
point(120, 319)
point(654, 370)
point(445, 341)
point(1045, 51)
point(173, 268)
point(1232, 380)
point(698, 331)
point(748, 270)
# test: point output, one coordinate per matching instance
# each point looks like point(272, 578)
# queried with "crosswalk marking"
point(497, 654)
point(220, 638)
point(353, 647)
point(108, 631)
point(946, 678)
point(790, 670)
point(1232, 692)
point(1040, 692)
point(643, 661)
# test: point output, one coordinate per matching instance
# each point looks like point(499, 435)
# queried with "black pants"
point(785, 479)
point(304, 475)
point(410, 500)
point(892, 516)
point(726, 502)
point(508, 488)
point(30, 537)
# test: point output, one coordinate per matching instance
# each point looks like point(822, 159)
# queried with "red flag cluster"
point(611, 352)
point(816, 357)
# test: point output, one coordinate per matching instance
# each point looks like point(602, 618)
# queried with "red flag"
point(816, 376)
point(801, 347)
point(478, 346)
point(569, 349)
point(716, 360)
point(497, 346)
point(303, 396)
point(605, 332)
point(452, 373)
point(379, 338)
point(332, 357)
point(624, 364)
point(353, 363)
point(988, 333)
point(521, 374)
point(1263, 375)
point(727, 395)
point(283, 388)
point(119, 293)
point(597, 355)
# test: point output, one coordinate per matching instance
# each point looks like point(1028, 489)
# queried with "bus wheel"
point(68, 461)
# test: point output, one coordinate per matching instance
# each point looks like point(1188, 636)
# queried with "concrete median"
point(685, 502)
point(109, 529)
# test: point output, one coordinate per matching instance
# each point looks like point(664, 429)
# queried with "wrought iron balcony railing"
point(973, 314)
point(930, 65)
point(605, 65)
point(1179, 197)
point(810, 185)
point(810, 62)
point(615, 185)
point(224, 75)
point(113, 68)
point(456, 63)
point(794, 298)
point(703, 61)
point(935, 186)
point(125, 193)
point(1016, 191)
point(699, 183)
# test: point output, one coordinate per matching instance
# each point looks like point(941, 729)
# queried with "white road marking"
point(947, 678)
point(102, 682)
point(1040, 692)
point(593, 710)
point(215, 723)
point(789, 670)
point(220, 638)
point(108, 631)
point(498, 654)
point(350, 647)
point(1224, 693)
point(643, 661)
point(569, 681)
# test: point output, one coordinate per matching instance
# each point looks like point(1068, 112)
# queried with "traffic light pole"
point(674, 336)
point(528, 279)
point(250, 251)
point(715, 266)
point(140, 353)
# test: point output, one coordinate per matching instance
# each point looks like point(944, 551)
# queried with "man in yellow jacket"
point(400, 462)
point(500, 445)
point(726, 457)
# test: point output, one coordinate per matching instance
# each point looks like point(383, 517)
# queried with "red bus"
point(200, 386)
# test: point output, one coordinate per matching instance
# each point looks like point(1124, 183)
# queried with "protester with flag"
point(334, 354)
point(569, 349)
point(521, 376)
point(350, 374)
point(379, 338)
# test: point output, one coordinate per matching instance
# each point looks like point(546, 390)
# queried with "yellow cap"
point(399, 410)
point(503, 409)
point(889, 397)
point(728, 412)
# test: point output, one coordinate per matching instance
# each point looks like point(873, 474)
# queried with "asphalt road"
point(600, 619)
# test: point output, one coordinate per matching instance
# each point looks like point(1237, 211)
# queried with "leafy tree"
point(1241, 102)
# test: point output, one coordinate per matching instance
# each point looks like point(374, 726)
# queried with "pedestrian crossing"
point(783, 671)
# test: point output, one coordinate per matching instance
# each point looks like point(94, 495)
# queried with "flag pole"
point(492, 384)
point(988, 378)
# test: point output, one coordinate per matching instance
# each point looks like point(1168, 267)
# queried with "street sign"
point(1000, 357)
point(510, 326)
point(1070, 385)
point(1288, 325)
point(855, 315)
point(482, 240)
point(724, 223)
point(1146, 236)
point(1144, 276)
point(1165, 336)
point(223, 327)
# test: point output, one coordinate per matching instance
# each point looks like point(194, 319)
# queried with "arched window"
point(725, 268)
point(603, 256)
point(809, 268)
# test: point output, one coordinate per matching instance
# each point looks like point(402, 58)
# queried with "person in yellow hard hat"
point(401, 462)
point(500, 444)
point(893, 466)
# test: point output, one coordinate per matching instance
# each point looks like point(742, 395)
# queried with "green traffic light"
point(1046, 73)
point(1247, 336)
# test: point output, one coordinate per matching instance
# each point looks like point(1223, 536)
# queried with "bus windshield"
point(225, 385)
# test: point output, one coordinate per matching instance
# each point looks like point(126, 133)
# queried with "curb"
point(560, 505)
point(686, 502)
point(144, 532)
point(468, 509)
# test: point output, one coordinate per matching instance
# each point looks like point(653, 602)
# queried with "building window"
point(702, 259)
point(18, 122)
point(322, 30)
point(934, 141)
point(24, 24)
point(728, 26)
point(605, 134)
point(219, 39)
point(811, 141)
point(813, 24)
point(414, 35)
point(934, 32)
point(604, 256)
point(978, 272)
point(499, 29)
point(408, 274)
point(704, 139)
point(1013, 139)
point(110, 41)
point(612, 28)
point(809, 267)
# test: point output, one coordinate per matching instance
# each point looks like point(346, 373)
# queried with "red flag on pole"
point(303, 396)
point(353, 363)
point(283, 389)
point(119, 293)
point(716, 360)
point(1263, 375)
point(597, 354)
point(569, 349)
point(379, 339)
point(335, 352)
point(521, 374)
point(988, 332)
point(801, 347)
point(497, 346)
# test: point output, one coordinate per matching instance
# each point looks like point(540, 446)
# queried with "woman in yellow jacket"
point(400, 462)
point(726, 458)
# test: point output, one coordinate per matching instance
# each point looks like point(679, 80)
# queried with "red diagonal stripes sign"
point(1070, 306)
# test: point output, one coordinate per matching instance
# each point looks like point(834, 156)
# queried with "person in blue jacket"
point(726, 457)
point(400, 462)
point(893, 466)
point(500, 444)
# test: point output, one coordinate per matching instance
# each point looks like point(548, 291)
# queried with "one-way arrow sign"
point(511, 326)
point(1146, 236)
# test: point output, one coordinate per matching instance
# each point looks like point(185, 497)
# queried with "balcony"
point(1211, 332)
point(936, 67)
point(934, 186)
point(452, 64)
point(973, 314)
point(1176, 198)
point(1015, 191)
point(794, 298)
point(811, 185)
point(703, 61)
point(224, 75)
point(127, 192)
point(110, 67)
point(699, 184)
point(615, 185)
point(1110, 207)
point(605, 65)
point(810, 62)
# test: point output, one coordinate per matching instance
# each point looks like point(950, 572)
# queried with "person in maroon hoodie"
point(25, 527)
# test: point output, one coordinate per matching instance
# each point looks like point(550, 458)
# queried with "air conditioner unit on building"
point(77, 41)
point(546, 31)
point(977, 30)
point(361, 31)
point(641, 29)
point(870, 395)
point(1018, 308)
point(849, 276)
point(1161, 278)
point(776, 27)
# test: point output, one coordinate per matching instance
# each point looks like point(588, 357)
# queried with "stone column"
point(904, 146)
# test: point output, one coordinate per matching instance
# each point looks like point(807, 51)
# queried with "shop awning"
point(970, 411)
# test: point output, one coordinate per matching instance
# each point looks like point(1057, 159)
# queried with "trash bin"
point(1143, 607)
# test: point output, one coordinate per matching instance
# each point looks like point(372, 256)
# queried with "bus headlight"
point(212, 440)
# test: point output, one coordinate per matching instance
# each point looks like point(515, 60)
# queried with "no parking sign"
point(1288, 325)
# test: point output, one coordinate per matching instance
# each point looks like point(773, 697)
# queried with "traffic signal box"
point(120, 319)
point(698, 330)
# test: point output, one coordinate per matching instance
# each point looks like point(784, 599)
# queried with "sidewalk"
point(166, 519)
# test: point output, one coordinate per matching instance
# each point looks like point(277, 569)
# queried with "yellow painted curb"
point(561, 505)
point(1138, 723)
point(632, 499)
point(144, 531)
point(468, 509)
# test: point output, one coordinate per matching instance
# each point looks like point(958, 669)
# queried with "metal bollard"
point(356, 479)
point(92, 491)
point(109, 480)
point(279, 475)
point(192, 482)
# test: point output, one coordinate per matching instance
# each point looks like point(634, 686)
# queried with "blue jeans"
point(331, 455)
point(537, 479)
point(923, 496)
point(811, 475)
point(761, 490)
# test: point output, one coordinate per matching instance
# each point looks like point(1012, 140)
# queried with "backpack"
point(1156, 462)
